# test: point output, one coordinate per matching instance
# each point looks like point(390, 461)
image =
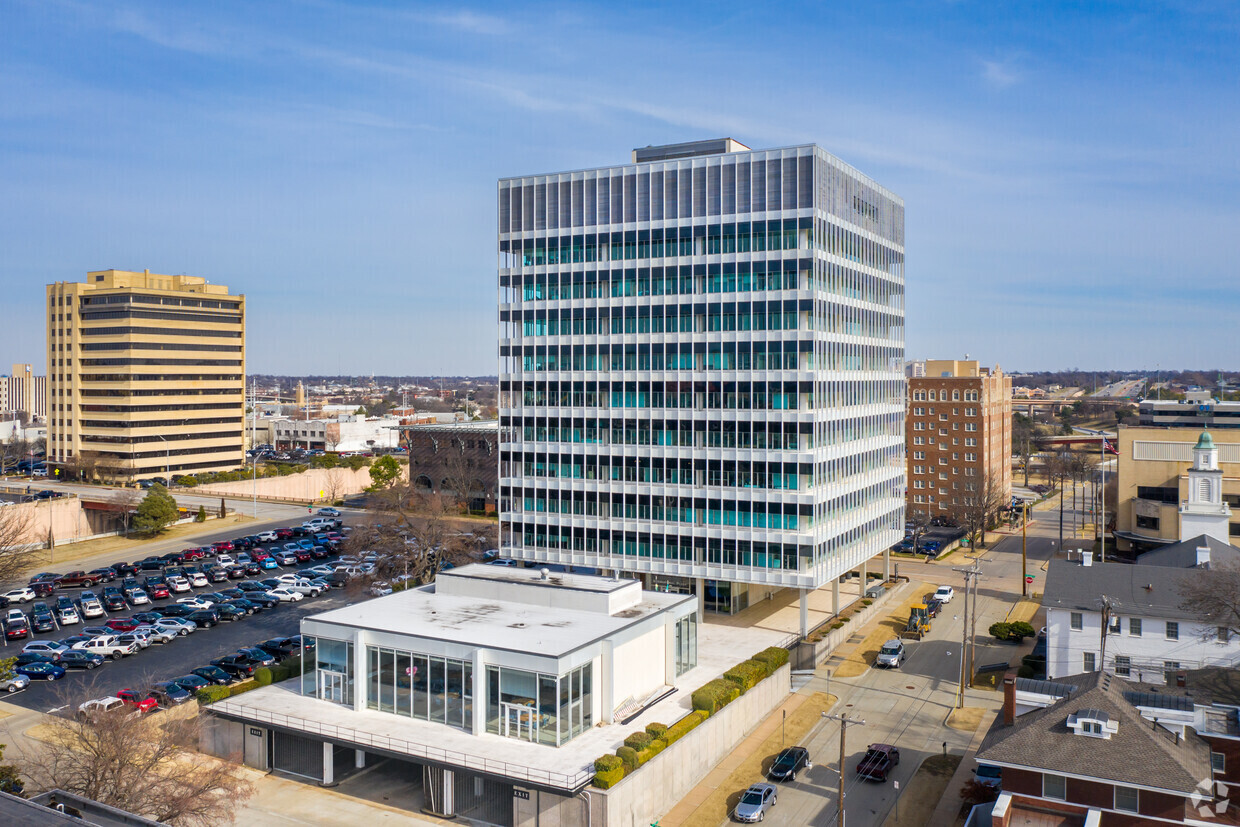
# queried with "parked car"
point(78, 578)
point(891, 655)
point(100, 706)
point(259, 655)
point(77, 659)
point(235, 665)
point(169, 693)
point(191, 683)
point(196, 602)
point(205, 618)
point(176, 610)
point(944, 594)
point(113, 600)
point(878, 761)
point(147, 617)
point(90, 605)
point(229, 612)
point(788, 763)
point(989, 775)
point(156, 634)
point(122, 624)
point(176, 624)
point(139, 639)
point(158, 590)
point(41, 618)
point(22, 594)
point(141, 701)
point(41, 671)
point(755, 802)
point(280, 647)
point(50, 649)
point(178, 584)
point(328, 512)
point(213, 674)
point(285, 595)
point(15, 683)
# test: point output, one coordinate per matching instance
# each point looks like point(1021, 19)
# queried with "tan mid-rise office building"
point(146, 376)
point(958, 435)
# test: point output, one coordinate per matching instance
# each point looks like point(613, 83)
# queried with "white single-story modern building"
point(486, 678)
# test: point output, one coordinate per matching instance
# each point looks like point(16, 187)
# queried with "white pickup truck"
point(110, 646)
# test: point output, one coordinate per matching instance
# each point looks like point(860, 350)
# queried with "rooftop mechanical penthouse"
point(701, 368)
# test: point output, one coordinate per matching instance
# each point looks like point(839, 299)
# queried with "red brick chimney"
point(1009, 699)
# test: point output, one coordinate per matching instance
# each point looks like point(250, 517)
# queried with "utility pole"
point(970, 575)
point(1109, 605)
point(1024, 560)
point(1102, 495)
point(845, 723)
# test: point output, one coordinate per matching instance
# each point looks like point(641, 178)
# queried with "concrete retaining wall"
point(312, 485)
point(64, 516)
point(656, 786)
point(806, 655)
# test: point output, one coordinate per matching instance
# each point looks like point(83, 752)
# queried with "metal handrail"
point(503, 768)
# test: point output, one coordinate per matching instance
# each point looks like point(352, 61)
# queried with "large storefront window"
point(540, 708)
point(329, 673)
point(686, 644)
point(420, 686)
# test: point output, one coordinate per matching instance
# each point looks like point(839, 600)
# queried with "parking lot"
point(179, 656)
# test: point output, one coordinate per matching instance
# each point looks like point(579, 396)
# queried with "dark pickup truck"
point(878, 762)
point(79, 578)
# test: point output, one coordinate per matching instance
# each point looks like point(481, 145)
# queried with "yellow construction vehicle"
point(918, 621)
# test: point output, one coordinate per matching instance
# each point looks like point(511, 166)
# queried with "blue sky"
point(1070, 171)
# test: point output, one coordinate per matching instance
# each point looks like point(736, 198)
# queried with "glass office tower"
point(701, 368)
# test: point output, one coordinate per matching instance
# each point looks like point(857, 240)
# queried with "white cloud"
point(999, 74)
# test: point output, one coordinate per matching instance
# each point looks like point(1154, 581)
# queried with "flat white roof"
point(494, 624)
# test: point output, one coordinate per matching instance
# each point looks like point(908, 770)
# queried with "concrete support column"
point(865, 574)
point(361, 685)
point(835, 595)
point(479, 722)
point(886, 564)
point(438, 787)
point(329, 764)
point(804, 612)
point(701, 596)
point(359, 758)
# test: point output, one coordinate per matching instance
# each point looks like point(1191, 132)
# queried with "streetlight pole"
point(1024, 559)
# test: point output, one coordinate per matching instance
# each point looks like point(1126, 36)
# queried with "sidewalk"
point(946, 814)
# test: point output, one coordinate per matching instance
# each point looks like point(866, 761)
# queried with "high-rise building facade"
point(23, 393)
point(959, 436)
point(702, 368)
point(146, 375)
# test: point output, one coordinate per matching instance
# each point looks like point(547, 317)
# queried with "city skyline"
point(1070, 168)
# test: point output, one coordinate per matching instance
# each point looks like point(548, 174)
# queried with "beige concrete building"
point(1153, 473)
point(146, 375)
point(22, 392)
point(958, 435)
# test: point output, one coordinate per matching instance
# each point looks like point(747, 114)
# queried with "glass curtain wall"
point(329, 670)
point(420, 686)
point(686, 644)
point(543, 708)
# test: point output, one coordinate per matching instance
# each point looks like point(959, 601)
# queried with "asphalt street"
point(908, 707)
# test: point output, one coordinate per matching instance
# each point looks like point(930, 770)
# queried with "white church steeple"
point(1204, 511)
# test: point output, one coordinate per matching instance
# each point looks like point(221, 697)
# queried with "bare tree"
point(334, 485)
point(1024, 444)
point(18, 543)
point(128, 500)
point(459, 473)
point(411, 535)
point(979, 509)
point(1214, 600)
point(142, 764)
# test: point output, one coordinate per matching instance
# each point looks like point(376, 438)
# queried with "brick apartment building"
point(958, 434)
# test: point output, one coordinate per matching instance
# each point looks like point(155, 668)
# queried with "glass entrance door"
point(519, 721)
point(331, 686)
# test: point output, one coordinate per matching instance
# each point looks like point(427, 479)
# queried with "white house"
point(1149, 632)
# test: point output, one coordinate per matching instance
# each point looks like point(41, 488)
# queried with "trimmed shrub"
point(608, 771)
point(678, 730)
point(638, 741)
point(244, 687)
point(656, 730)
point(713, 696)
point(746, 675)
point(1001, 630)
point(211, 694)
point(776, 656)
point(189, 481)
point(1020, 630)
point(866, 602)
point(1026, 671)
point(628, 755)
point(839, 624)
point(202, 515)
point(263, 676)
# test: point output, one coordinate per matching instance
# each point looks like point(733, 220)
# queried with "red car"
point(284, 533)
point(878, 761)
point(78, 578)
point(192, 554)
point(158, 591)
point(122, 624)
point(259, 554)
point(140, 702)
point(303, 555)
point(222, 545)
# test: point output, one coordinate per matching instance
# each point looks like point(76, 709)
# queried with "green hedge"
point(715, 695)
point(628, 756)
point(211, 694)
point(682, 727)
point(608, 771)
point(638, 741)
point(656, 730)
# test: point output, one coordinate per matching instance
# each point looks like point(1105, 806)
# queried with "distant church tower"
point(1204, 512)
